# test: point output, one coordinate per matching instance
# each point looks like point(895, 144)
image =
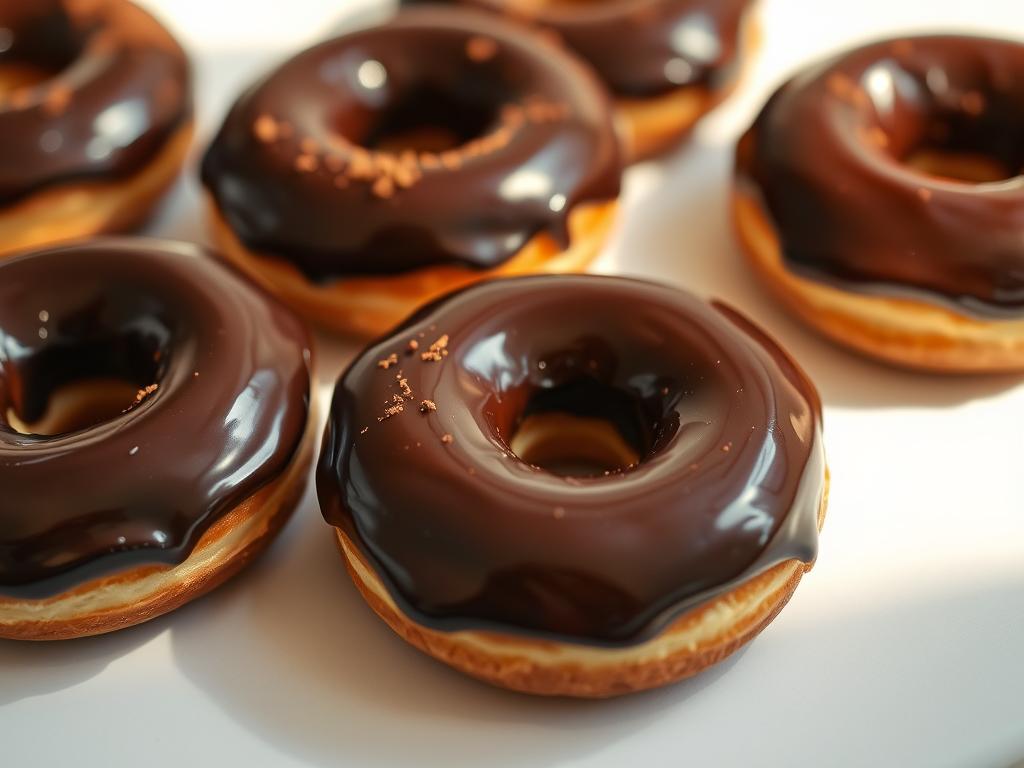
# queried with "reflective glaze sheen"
point(641, 48)
point(306, 165)
point(467, 535)
point(828, 157)
point(115, 87)
point(231, 369)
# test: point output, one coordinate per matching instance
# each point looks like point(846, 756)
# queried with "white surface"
point(903, 646)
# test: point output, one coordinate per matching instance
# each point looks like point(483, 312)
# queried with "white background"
point(903, 647)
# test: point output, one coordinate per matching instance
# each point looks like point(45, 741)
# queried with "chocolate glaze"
point(118, 88)
point(641, 48)
point(827, 156)
point(466, 535)
point(232, 372)
point(298, 173)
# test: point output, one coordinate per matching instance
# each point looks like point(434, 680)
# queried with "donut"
point(381, 169)
point(154, 431)
point(666, 62)
point(575, 485)
point(879, 195)
point(95, 118)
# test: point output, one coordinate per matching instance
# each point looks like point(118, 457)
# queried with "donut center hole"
point(581, 429)
point(977, 143)
point(970, 167)
point(37, 43)
point(72, 386)
point(423, 118)
point(78, 406)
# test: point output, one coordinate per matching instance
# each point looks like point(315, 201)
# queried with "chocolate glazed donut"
point(881, 194)
point(377, 170)
point(649, 53)
point(562, 485)
point(95, 117)
point(152, 411)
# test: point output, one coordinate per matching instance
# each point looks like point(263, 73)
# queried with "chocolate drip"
point(640, 48)
point(222, 372)
point(832, 158)
point(467, 535)
point(443, 137)
point(114, 88)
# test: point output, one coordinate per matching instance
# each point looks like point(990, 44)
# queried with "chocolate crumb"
point(388, 361)
point(413, 345)
point(364, 430)
point(437, 350)
point(447, 439)
point(266, 128)
point(384, 187)
point(306, 163)
point(427, 406)
point(145, 392)
point(403, 384)
point(480, 49)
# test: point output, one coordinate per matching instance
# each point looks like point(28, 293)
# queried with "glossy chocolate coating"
point(826, 157)
point(295, 172)
point(231, 367)
point(118, 90)
point(467, 535)
point(641, 48)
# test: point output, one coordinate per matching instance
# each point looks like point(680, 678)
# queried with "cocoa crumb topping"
point(480, 49)
point(403, 384)
point(145, 392)
point(438, 350)
point(364, 430)
point(384, 187)
point(388, 361)
point(306, 163)
point(447, 439)
point(427, 406)
point(266, 128)
point(413, 345)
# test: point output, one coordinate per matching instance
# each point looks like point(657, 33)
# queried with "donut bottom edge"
point(700, 638)
point(649, 127)
point(370, 306)
point(88, 208)
point(140, 594)
point(903, 332)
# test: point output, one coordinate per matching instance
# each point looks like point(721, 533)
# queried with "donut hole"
point(955, 148)
point(72, 384)
point(37, 43)
point(582, 429)
point(424, 117)
point(967, 131)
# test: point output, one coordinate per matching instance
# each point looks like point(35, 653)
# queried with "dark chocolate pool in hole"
point(88, 374)
point(581, 429)
point(402, 114)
